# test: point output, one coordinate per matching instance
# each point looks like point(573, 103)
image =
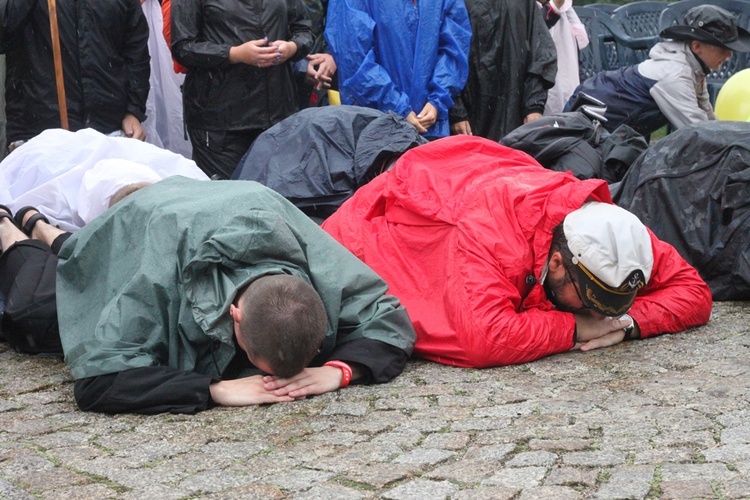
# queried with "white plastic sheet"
point(70, 176)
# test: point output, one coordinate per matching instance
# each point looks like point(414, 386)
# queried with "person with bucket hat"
point(500, 261)
point(670, 87)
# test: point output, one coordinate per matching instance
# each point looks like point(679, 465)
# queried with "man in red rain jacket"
point(499, 261)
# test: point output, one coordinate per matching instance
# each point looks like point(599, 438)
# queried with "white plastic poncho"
point(164, 123)
point(70, 176)
point(569, 35)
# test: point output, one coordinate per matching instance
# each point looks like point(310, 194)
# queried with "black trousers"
point(218, 152)
point(28, 307)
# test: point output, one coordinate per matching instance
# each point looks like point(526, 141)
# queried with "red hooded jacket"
point(461, 228)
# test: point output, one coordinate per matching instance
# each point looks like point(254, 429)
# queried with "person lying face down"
point(189, 294)
point(500, 261)
point(29, 244)
point(71, 176)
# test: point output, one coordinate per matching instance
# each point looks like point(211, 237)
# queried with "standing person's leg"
point(3, 121)
point(218, 152)
point(27, 285)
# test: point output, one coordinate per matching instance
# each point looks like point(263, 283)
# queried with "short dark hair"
point(283, 323)
point(127, 190)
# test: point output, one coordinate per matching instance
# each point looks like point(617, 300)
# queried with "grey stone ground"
point(663, 418)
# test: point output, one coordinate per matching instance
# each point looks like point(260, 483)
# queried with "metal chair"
point(674, 14)
point(640, 20)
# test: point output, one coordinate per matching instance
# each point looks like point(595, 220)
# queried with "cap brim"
point(604, 299)
point(686, 33)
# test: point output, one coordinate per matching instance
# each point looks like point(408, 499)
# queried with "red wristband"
point(346, 370)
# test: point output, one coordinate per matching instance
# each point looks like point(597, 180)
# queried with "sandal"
point(7, 214)
point(29, 226)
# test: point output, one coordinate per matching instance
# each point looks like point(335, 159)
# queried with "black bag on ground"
point(27, 283)
point(692, 189)
point(573, 141)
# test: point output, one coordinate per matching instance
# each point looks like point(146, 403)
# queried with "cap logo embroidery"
point(635, 281)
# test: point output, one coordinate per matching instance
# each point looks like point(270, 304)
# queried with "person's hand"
point(412, 118)
point(320, 70)
point(594, 331)
point(531, 117)
point(131, 126)
point(607, 340)
point(461, 128)
point(244, 392)
point(284, 50)
point(255, 53)
point(308, 382)
point(428, 116)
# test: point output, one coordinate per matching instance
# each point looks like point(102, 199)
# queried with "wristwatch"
point(630, 329)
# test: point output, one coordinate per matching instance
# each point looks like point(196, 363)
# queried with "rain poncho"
point(397, 55)
point(461, 228)
point(569, 35)
point(693, 189)
point(149, 282)
point(318, 157)
point(219, 95)
point(164, 126)
point(71, 176)
point(511, 66)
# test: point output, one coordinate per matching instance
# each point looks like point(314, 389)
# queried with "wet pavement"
point(664, 418)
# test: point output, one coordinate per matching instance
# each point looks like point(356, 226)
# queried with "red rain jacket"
point(460, 229)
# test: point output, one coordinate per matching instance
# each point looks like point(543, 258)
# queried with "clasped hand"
point(594, 332)
point(260, 389)
point(262, 53)
point(425, 119)
point(320, 70)
point(308, 382)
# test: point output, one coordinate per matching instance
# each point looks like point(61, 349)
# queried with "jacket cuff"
point(137, 112)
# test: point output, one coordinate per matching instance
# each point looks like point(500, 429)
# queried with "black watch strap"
point(630, 333)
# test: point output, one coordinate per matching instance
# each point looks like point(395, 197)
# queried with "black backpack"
point(574, 141)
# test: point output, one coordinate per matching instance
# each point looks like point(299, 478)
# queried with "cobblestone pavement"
point(663, 418)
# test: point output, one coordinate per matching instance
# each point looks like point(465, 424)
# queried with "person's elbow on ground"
point(704, 305)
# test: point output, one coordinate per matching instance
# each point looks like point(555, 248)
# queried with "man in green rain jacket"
point(149, 302)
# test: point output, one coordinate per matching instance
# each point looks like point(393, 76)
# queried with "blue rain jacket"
point(396, 55)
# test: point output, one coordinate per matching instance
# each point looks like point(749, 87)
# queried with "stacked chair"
point(623, 35)
point(639, 20)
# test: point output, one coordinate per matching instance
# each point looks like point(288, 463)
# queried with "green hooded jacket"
point(149, 282)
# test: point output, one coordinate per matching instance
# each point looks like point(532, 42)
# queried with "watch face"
point(630, 328)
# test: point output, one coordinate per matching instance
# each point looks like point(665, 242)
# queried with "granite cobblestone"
point(665, 418)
